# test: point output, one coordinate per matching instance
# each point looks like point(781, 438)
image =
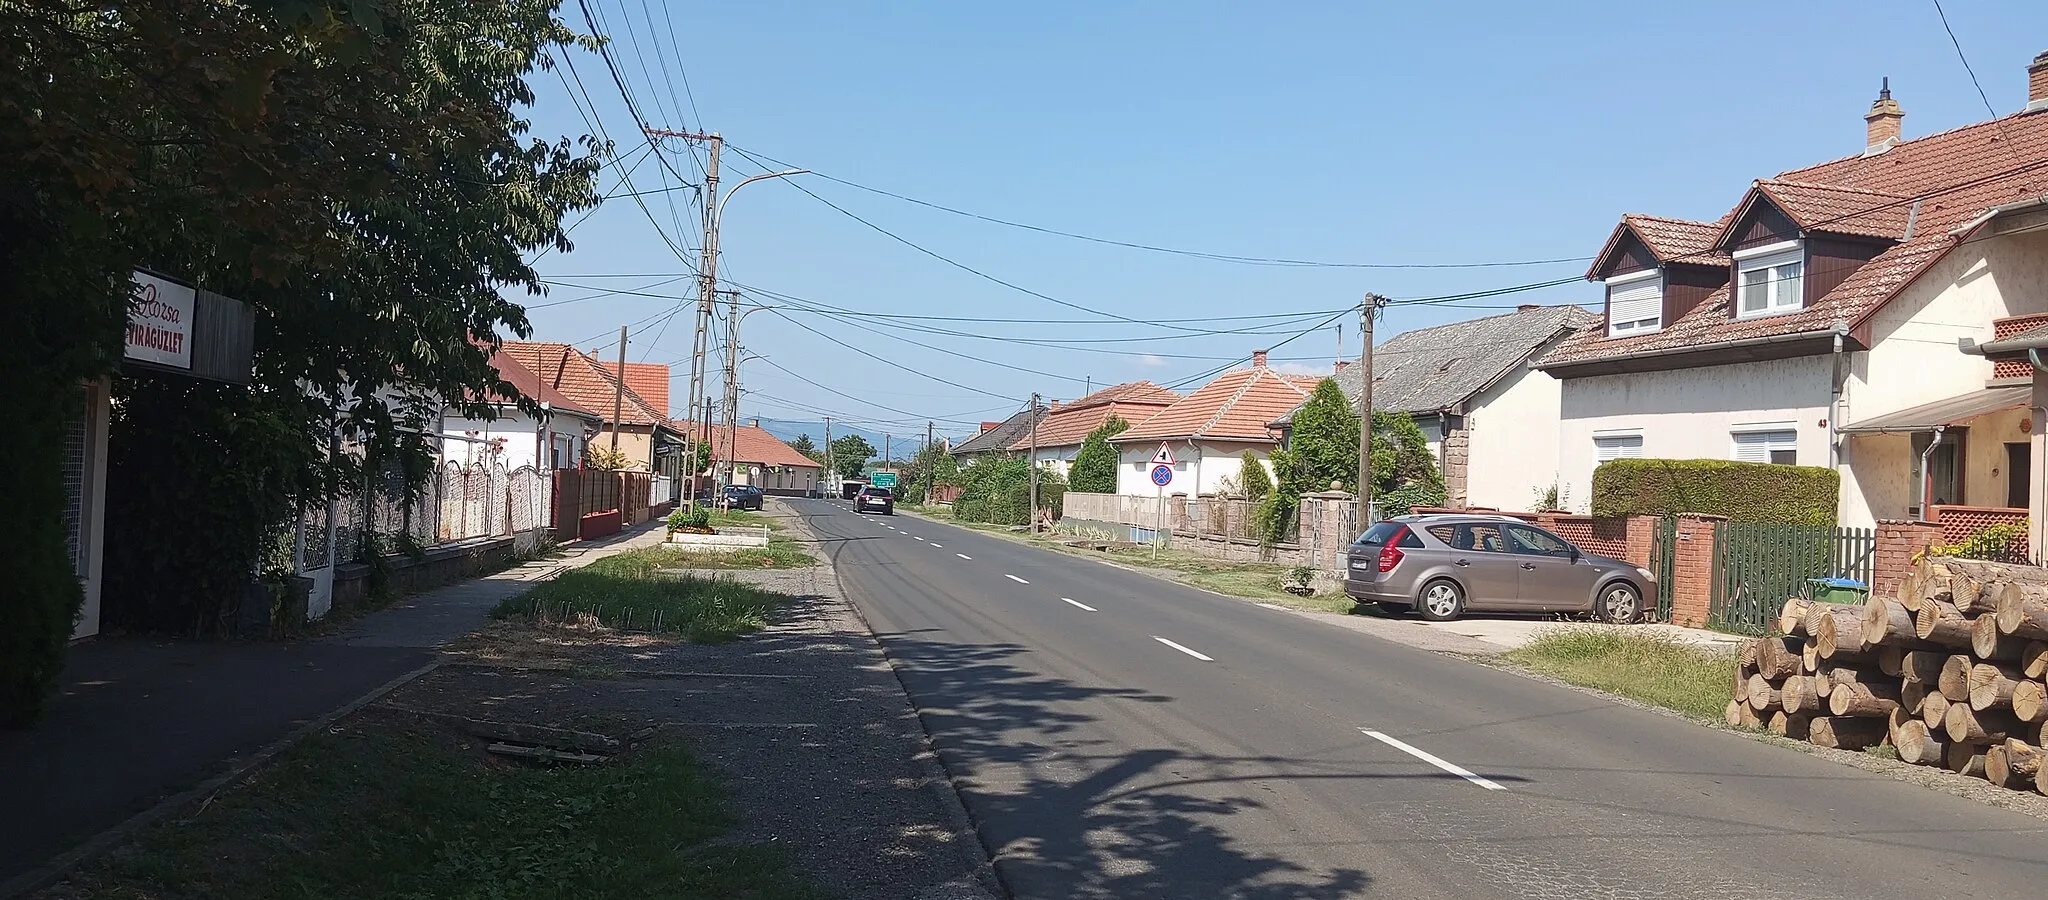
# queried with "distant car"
point(744, 496)
point(1444, 566)
point(850, 489)
point(875, 499)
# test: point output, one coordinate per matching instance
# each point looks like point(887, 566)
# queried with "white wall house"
point(1817, 324)
point(1208, 431)
point(1489, 418)
point(553, 439)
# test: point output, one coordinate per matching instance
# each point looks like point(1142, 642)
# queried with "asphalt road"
point(1116, 735)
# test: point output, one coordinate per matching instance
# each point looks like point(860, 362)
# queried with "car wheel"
point(1621, 603)
point(1392, 610)
point(1442, 600)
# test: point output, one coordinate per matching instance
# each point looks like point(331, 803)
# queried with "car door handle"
point(1528, 565)
point(1462, 562)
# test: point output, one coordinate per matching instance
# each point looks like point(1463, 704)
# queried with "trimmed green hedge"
point(1744, 492)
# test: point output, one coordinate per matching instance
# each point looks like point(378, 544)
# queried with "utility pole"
point(1034, 463)
point(927, 498)
point(885, 450)
point(707, 278)
point(1366, 314)
point(619, 392)
point(831, 474)
point(732, 386)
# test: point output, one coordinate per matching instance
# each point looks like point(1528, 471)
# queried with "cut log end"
point(1792, 616)
point(1917, 745)
point(2030, 701)
point(1992, 686)
point(1968, 726)
point(1864, 700)
point(1845, 733)
point(1955, 678)
point(1943, 624)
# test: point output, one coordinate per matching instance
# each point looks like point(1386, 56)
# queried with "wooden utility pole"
point(1034, 463)
point(619, 393)
point(1366, 314)
point(732, 387)
point(927, 498)
point(831, 475)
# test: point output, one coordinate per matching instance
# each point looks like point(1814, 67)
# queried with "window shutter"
point(1636, 301)
point(1756, 446)
point(1620, 446)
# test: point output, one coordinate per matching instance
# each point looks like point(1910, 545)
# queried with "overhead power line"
point(1175, 251)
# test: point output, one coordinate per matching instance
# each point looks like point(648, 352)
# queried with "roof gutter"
point(1767, 340)
point(1986, 216)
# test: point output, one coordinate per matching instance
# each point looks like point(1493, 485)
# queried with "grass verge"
point(396, 809)
point(1650, 668)
point(627, 591)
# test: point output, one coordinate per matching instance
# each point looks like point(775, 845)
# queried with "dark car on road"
point(744, 496)
point(875, 499)
point(1443, 566)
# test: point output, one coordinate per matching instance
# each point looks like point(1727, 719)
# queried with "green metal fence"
point(1664, 562)
point(1758, 566)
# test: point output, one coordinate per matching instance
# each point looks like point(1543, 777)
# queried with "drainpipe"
point(1927, 477)
point(1835, 401)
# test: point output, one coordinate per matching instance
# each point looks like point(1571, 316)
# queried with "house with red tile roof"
point(552, 439)
point(1817, 323)
point(763, 460)
point(1065, 425)
point(1207, 432)
point(645, 434)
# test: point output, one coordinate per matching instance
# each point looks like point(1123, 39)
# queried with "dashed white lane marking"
point(1432, 759)
point(1015, 578)
point(1183, 649)
point(1079, 603)
point(936, 544)
point(963, 556)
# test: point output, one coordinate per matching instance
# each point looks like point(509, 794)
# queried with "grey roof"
point(1003, 435)
point(1430, 369)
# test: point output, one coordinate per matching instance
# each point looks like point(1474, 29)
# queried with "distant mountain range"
point(901, 445)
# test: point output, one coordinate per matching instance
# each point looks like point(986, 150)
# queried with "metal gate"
point(1664, 563)
point(1760, 565)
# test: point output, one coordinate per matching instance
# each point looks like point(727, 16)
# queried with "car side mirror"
point(1575, 555)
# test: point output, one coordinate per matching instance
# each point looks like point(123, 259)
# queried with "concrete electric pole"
point(927, 475)
point(619, 393)
point(1366, 314)
point(1034, 464)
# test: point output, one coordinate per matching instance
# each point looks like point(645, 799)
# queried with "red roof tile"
point(580, 377)
point(529, 384)
point(1236, 406)
point(649, 380)
point(1952, 178)
point(1070, 424)
point(757, 446)
point(1670, 240)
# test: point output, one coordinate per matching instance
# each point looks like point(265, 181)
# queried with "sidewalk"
point(138, 720)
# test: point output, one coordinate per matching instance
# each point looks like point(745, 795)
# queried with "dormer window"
point(1635, 303)
point(1770, 280)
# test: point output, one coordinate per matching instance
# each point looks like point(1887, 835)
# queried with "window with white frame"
point(1776, 446)
point(1617, 446)
point(1635, 303)
point(1770, 280)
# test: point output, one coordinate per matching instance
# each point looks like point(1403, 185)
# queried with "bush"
point(1094, 469)
point(997, 490)
point(1744, 492)
point(1252, 478)
point(43, 588)
point(2005, 542)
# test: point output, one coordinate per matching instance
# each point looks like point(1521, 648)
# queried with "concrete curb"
point(988, 879)
point(61, 865)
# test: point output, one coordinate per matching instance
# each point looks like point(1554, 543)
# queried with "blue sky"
point(1447, 133)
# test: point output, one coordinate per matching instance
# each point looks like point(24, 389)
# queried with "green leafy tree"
point(850, 454)
point(356, 171)
point(803, 445)
point(1095, 467)
point(1323, 451)
point(1252, 478)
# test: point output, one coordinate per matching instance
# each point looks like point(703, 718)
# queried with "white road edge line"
point(1432, 759)
point(1079, 603)
point(1183, 649)
point(1015, 578)
point(963, 556)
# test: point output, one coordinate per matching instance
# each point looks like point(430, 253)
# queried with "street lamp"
point(732, 337)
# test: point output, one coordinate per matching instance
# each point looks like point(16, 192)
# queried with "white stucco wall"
point(1197, 469)
point(1512, 429)
point(527, 439)
point(1691, 413)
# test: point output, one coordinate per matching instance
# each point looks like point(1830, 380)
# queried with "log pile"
point(1952, 671)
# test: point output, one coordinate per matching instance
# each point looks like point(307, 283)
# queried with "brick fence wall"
point(1693, 570)
point(1897, 543)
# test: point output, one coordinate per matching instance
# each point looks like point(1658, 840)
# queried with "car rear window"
point(879, 492)
point(1379, 534)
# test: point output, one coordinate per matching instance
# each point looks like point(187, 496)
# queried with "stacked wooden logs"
point(1952, 672)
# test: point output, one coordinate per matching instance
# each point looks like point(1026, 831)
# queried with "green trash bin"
point(1839, 590)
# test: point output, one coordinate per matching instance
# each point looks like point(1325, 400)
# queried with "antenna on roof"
point(1885, 92)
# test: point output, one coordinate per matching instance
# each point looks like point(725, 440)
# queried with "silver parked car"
point(1444, 566)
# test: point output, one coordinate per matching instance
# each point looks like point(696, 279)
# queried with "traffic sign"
point(1162, 475)
point(883, 479)
point(1164, 457)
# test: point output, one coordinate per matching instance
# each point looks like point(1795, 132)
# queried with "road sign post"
point(1162, 475)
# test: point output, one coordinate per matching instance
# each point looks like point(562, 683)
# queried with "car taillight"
point(1390, 555)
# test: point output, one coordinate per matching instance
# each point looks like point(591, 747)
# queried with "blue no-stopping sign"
point(1162, 475)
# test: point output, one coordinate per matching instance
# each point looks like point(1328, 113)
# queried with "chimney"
point(1258, 359)
point(1053, 406)
point(757, 423)
point(1528, 306)
point(2037, 83)
point(1882, 131)
point(1343, 364)
point(987, 427)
